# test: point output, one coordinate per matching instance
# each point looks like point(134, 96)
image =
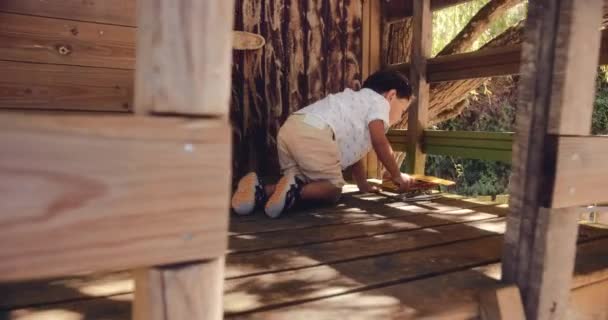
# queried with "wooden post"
point(183, 69)
point(180, 292)
point(184, 54)
point(558, 69)
point(372, 62)
point(418, 111)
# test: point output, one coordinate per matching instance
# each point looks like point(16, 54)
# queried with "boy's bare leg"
point(322, 191)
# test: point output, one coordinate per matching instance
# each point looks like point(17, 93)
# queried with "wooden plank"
point(410, 237)
point(190, 291)
point(171, 57)
point(501, 304)
point(418, 110)
point(552, 30)
point(491, 62)
point(457, 293)
point(580, 172)
point(48, 40)
point(59, 87)
point(120, 12)
point(366, 212)
point(78, 188)
point(341, 278)
point(471, 153)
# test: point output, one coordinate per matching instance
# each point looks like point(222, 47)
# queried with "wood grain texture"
point(501, 304)
point(61, 87)
point(580, 171)
point(530, 259)
point(552, 263)
point(58, 41)
point(176, 69)
point(188, 291)
point(575, 67)
point(418, 110)
point(120, 12)
point(112, 192)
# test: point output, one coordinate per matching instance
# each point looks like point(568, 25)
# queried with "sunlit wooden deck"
point(369, 258)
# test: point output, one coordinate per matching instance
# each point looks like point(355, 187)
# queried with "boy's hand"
point(403, 181)
point(366, 187)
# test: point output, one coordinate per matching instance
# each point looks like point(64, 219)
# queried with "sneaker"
point(249, 194)
point(285, 196)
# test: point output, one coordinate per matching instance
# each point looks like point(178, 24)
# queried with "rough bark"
point(479, 23)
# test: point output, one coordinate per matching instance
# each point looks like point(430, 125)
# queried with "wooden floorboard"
point(365, 228)
point(391, 266)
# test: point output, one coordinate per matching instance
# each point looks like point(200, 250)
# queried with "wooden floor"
point(371, 257)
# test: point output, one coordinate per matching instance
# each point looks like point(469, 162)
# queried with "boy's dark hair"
point(386, 80)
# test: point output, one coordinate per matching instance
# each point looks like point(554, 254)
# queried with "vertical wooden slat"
point(183, 57)
point(180, 292)
point(556, 75)
point(372, 60)
point(183, 69)
point(418, 111)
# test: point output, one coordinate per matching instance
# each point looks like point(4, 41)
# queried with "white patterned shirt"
point(348, 113)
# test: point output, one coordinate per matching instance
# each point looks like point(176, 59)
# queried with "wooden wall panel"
point(164, 197)
point(120, 12)
point(59, 41)
point(313, 49)
point(45, 86)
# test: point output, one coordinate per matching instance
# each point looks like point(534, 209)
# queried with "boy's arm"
point(358, 171)
point(385, 153)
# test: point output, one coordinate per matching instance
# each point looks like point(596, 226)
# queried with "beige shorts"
point(307, 148)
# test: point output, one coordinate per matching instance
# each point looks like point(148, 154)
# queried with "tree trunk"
point(448, 99)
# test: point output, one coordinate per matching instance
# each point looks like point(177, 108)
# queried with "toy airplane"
point(420, 190)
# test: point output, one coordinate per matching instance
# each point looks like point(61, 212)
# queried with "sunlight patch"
point(53, 314)
point(108, 288)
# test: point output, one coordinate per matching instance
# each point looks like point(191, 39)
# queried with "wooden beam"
point(112, 192)
point(180, 292)
point(184, 57)
point(581, 171)
point(492, 62)
point(539, 242)
point(418, 110)
point(395, 10)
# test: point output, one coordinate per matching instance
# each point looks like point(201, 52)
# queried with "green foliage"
point(599, 124)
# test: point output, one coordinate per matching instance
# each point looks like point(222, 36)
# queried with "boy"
point(319, 141)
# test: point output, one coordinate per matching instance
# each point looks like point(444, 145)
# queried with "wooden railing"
point(482, 145)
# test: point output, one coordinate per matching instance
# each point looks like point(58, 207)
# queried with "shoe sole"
point(276, 203)
point(243, 200)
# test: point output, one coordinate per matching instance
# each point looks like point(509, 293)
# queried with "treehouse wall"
point(67, 54)
point(313, 47)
